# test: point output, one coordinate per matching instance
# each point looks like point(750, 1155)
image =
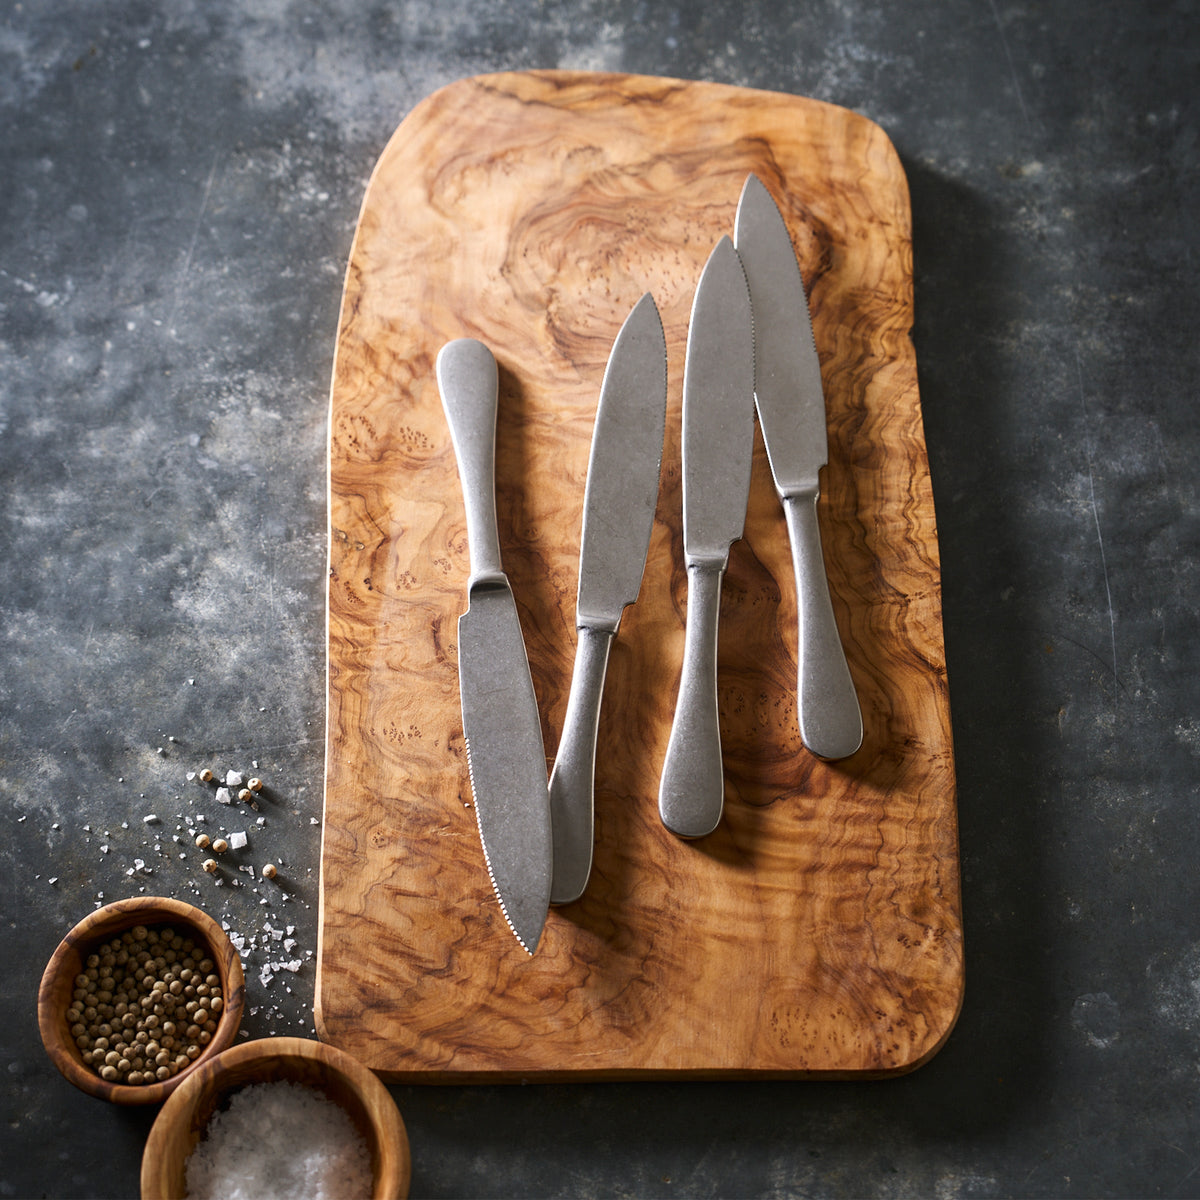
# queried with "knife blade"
point(718, 443)
point(506, 759)
point(791, 413)
point(620, 497)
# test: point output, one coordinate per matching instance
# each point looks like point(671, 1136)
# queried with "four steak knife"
point(750, 345)
point(618, 515)
point(503, 731)
point(718, 443)
point(791, 412)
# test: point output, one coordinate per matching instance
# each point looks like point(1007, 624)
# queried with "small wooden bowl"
point(180, 1125)
point(58, 982)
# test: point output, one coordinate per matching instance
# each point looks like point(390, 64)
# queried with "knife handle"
point(691, 794)
point(830, 718)
point(469, 384)
point(573, 779)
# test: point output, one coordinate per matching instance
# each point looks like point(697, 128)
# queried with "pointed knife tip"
point(644, 321)
point(528, 943)
point(643, 309)
point(752, 182)
point(756, 197)
point(530, 938)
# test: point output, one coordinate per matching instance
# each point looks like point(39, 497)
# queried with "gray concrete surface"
point(179, 183)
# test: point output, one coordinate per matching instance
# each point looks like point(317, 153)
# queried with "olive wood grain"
point(817, 931)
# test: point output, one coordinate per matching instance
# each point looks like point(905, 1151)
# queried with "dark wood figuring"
point(817, 931)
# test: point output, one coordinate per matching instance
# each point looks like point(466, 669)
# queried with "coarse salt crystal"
point(233, 779)
point(237, 841)
point(224, 795)
point(313, 1148)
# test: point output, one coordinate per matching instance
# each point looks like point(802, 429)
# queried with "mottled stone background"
point(179, 183)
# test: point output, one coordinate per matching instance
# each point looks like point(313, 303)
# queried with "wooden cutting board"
point(817, 932)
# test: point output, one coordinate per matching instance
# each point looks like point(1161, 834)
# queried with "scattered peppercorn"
point(210, 865)
point(270, 871)
point(220, 846)
point(206, 775)
point(255, 785)
point(203, 841)
point(129, 1013)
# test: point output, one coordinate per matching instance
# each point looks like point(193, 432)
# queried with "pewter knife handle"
point(691, 794)
point(830, 718)
point(469, 384)
point(573, 780)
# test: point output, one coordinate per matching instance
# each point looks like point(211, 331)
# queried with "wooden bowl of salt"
point(278, 1117)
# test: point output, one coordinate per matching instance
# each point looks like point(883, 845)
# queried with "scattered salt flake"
point(191, 775)
point(150, 819)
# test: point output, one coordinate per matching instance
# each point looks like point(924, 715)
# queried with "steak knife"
point(791, 412)
point(718, 444)
point(618, 514)
point(506, 758)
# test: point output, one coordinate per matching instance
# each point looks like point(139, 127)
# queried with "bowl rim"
point(217, 1076)
point(98, 926)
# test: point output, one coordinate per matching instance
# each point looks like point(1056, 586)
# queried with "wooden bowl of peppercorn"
point(137, 996)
